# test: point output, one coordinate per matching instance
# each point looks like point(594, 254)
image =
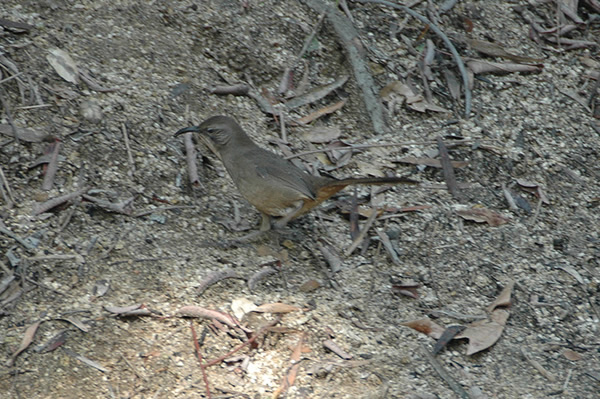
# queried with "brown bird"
point(275, 186)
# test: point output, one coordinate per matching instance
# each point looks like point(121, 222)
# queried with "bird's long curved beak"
point(192, 129)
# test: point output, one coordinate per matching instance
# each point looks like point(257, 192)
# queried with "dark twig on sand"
point(448, 169)
point(350, 40)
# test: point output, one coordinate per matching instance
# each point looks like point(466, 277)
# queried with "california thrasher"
point(271, 183)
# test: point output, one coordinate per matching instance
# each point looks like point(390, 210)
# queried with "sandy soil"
point(164, 57)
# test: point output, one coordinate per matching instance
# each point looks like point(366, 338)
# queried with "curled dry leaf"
point(330, 109)
point(448, 336)
point(322, 134)
point(197, 311)
point(495, 50)
point(260, 275)
point(27, 340)
point(533, 188)
point(408, 289)
point(484, 333)
point(309, 286)
point(215, 277)
point(64, 65)
point(241, 306)
point(315, 94)
point(426, 326)
point(483, 215)
point(290, 378)
point(503, 299)
point(335, 348)
point(413, 100)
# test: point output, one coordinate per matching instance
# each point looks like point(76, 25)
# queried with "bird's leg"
point(265, 224)
point(282, 221)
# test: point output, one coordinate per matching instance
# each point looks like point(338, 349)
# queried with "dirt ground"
point(163, 58)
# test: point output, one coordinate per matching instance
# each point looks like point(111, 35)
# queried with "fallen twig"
point(52, 167)
point(362, 234)
point(350, 40)
point(200, 360)
point(460, 391)
point(129, 155)
point(7, 194)
point(215, 278)
point(448, 169)
point(190, 156)
point(536, 365)
point(51, 203)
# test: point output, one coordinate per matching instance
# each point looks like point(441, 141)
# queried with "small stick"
point(455, 386)
point(52, 168)
point(362, 234)
point(51, 203)
point(537, 211)
point(536, 365)
point(241, 89)
point(448, 169)
point(129, 155)
point(387, 244)
point(6, 107)
point(199, 355)
point(11, 77)
point(10, 200)
point(282, 124)
point(509, 198)
point(190, 155)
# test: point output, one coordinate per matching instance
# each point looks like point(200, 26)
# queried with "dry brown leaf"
point(310, 285)
point(408, 289)
point(484, 333)
point(64, 65)
point(241, 306)
point(27, 340)
point(276, 307)
point(572, 355)
point(322, 134)
point(426, 326)
point(503, 299)
point(533, 188)
point(495, 50)
point(335, 348)
point(197, 311)
point(315, 94)
point(290, 378)
point(413, 100)
point(483, 215)
point(330, 109)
